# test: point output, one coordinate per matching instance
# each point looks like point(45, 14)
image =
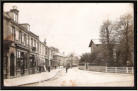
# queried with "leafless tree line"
point(117, 40)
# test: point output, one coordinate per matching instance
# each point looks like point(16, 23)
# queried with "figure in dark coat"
point(48, 68)
point(67, 67)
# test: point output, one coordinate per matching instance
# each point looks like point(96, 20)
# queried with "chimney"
point(14, 13)
point(45, 41)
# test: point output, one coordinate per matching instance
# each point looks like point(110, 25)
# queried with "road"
point(76, 77)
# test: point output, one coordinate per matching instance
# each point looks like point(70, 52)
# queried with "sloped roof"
point(91, 42)
point(7, 15)
point(94, 41)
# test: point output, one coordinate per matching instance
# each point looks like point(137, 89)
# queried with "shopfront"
point(21, 63)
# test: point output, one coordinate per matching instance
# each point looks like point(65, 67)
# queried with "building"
point(72, 60)
point(75, 61)
point(20, 46)
point(51, 52)
point(95, 47)
point(42, 57)
point(59, 60)
point(23, 52)
point(101, 52)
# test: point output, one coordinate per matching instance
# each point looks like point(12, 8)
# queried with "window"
point(10, 29)
point(17, 35)
point(27, 40)
point(31, 42)
point(12, 32)
point(25, 60)
point(34, 44)
point(20, 37)
point(15, 17)
point(40, 48)
point(23, 38)
point(18, 55)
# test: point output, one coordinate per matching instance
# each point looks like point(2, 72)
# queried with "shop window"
point(18, 64)
point(25, 60)
point(32, 61)
point(5, 61)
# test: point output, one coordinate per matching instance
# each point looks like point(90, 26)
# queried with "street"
point(76, 77)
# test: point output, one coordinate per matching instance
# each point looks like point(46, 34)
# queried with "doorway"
point(12, 65)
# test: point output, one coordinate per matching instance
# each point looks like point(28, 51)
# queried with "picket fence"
point(120, 69)
point(129, 70)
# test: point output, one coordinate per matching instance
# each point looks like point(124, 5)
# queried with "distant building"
point(75, 61)
point(42, 56)
point(95, 47)
point(60, 59)
point(101, 49)
point(51, 52)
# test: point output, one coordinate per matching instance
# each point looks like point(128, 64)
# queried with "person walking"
point(48, 68)
point(67, 67)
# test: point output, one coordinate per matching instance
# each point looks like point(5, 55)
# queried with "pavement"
point(33, 78)
point(77, 77)
point(74, 77)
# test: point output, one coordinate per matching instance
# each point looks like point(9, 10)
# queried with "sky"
point(68, 26)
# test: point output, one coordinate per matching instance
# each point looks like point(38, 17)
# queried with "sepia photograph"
point(68, 45)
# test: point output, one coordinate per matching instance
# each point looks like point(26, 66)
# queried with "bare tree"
point(125, 30)
point(85, 58)
point(107, 39)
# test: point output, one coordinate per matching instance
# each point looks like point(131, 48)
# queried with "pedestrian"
point(22, 67)
point(67, 67)
point(48, 68)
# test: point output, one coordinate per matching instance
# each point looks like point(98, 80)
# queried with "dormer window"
point(15, 17)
